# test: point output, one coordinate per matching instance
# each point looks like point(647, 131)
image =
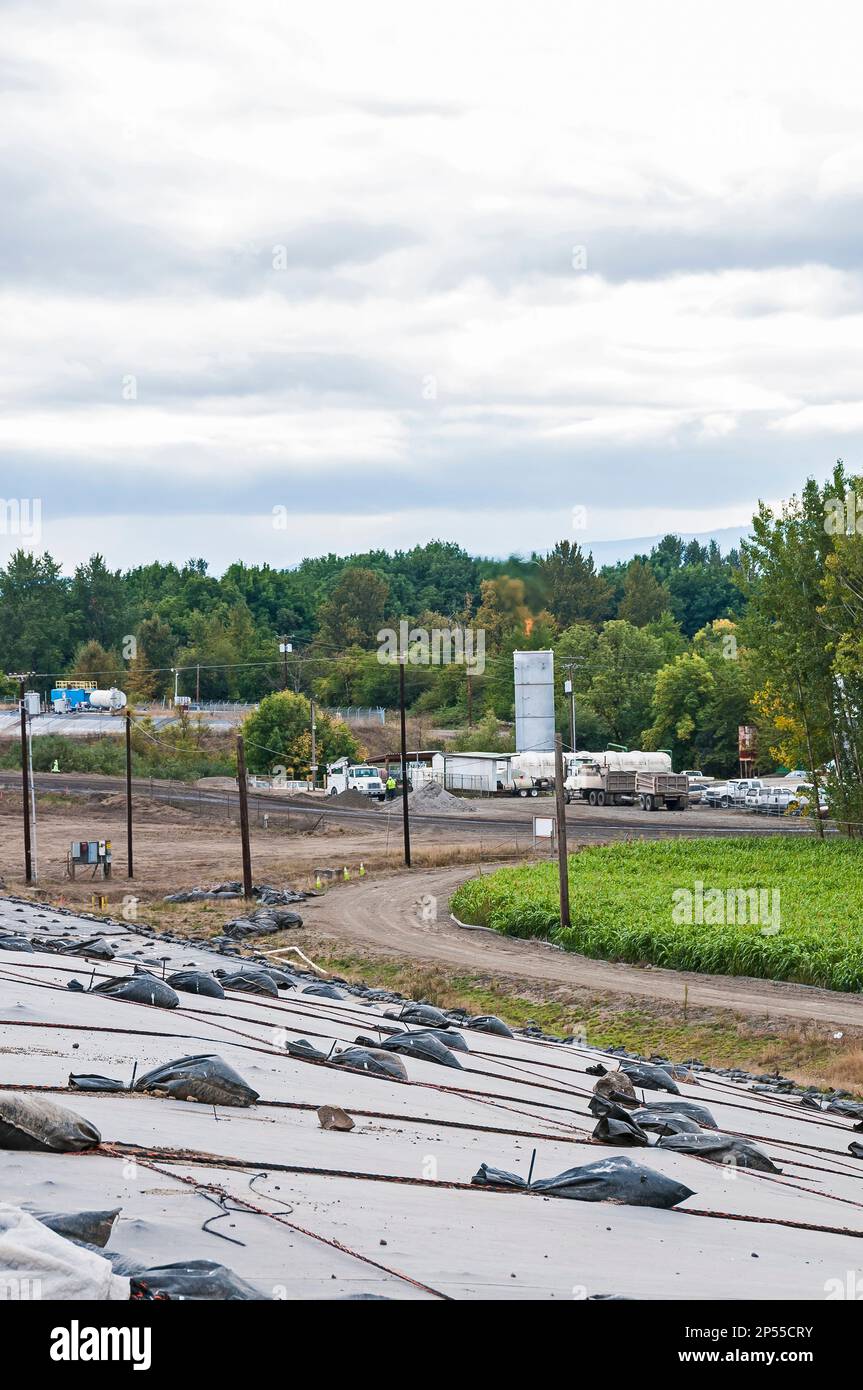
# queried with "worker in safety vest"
point(391, 787)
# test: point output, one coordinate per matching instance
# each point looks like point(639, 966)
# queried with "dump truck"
point(599, 785)
point(662, 791)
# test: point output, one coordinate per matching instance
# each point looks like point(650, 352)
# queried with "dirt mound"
point(433, 797)
point(351, 798)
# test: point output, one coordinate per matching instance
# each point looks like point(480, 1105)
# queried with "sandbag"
point(373, 1060)
point(142, 988)
point(423, 1013)
point(15, 943)
point(90, 1082)
point(623, 1132)
point(650, 1077)
point(54, 1268)
point(250, 981)
point(303, 1048)
point(33, 1122)
point(324, 991)
point(699, 1113)
point(426, 1047)
point(489, 1023)
point(615, 1179)
point(206, 1078)
point(261, 922)
point(196, 982)
point(196, 1280)
point(665, 1121)
point(96, 947)
point(721, 1148)
point(90, 1227)
point(448, 1036)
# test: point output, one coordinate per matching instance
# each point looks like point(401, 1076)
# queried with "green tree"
point(644, 598)
point(278, 735)
point(354, 612)
point(34, 618)
point(576, 592)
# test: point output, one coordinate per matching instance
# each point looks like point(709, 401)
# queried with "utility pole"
point(562, 863)
point(25, 778)
point(244, 817)
point(314, 764)
point(129, 858)
point(404, 752)
point(569, 689)
point(284, 647)
point(198, 684)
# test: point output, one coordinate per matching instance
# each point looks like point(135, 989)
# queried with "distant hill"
point(610, 552)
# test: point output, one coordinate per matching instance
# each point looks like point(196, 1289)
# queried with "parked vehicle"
point(343, 776)
point(658, 791)
point(600, 786)
point(732, 792)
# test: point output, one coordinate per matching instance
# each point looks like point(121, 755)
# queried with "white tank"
point(633, 761)
point(534, 700)
point(112, 699)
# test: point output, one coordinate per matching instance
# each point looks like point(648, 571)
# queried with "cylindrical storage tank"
point(107, 699)
point(534, 701)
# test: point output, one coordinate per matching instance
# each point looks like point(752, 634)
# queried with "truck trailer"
point(662, 791)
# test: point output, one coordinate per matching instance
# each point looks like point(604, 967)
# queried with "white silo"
point(534, 701)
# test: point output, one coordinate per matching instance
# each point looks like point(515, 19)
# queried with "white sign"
point(543, 827)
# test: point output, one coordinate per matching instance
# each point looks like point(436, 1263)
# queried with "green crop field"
point(687, 905)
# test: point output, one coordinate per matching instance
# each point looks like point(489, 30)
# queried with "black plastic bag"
point(206, 1078)
point(424, 1046)
point(32, 1122)
point(250, 981)
point(423, 1013)
point(650, 1077)
point(690, 1108)
point(721, 1148)
point(91, 1228)
point(373, 1060)
point(615, 1179)
point(196, 1280)
point(90, 1082)
point(142, 988)
point(666, 1121)
point(303, 1048)
point(623, 1132)
point(489, 1023)
point(15, 943)
point(96, 947)
point(196, 982)
point(324, 991)
point(448, 1036)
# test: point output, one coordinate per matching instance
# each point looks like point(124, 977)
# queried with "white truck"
point(599, 785)
point(343, 776)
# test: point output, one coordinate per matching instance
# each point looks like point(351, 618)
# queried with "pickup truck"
point(732, 793)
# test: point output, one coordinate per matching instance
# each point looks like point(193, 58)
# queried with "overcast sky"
point(283, 279)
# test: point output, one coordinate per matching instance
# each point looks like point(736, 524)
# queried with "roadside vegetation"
point(626, 905)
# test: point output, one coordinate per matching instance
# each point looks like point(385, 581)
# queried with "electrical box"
point(94, 855)
point(32, 703)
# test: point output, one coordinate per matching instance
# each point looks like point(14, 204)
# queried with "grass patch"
point(626, 905)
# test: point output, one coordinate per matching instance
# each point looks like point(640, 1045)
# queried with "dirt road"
point(394, 917)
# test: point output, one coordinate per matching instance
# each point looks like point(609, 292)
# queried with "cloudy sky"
point(283, 279)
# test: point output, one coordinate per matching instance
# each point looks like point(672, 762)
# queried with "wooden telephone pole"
point(244, 817)
point(562, 863)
